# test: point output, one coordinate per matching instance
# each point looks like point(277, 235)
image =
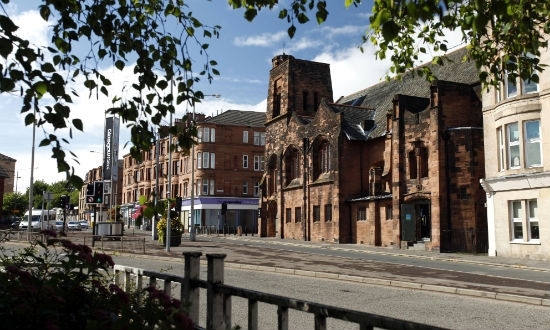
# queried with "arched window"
point(272, 175)
point(292, 165)
point(413, 172)
point(321, 158)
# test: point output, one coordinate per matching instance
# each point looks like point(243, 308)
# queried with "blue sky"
point(243, 52)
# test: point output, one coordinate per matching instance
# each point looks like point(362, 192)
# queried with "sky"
point(243, 51)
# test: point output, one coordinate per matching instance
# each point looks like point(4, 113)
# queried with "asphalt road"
point(458, 291)
point(423, 306)
point(527, 281)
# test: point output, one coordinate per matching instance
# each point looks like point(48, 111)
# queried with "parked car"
point(15, 223)
point(84, 225)
point(74, 225)
point(59, 225)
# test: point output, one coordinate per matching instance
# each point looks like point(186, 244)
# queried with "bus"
point(41, 219)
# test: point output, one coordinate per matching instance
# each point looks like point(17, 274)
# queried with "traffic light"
point(98, 192)
point(64, 201)
point(178, 204)
point(90, 193)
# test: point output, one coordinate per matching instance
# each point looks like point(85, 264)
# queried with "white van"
point(41, 219)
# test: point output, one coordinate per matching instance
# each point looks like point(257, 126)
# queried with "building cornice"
point(516, 182)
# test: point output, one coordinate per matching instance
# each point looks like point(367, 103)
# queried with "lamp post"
point(192, 233)
point(169, 189)
point(31, 184)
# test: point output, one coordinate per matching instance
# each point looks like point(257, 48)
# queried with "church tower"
point(297, 86)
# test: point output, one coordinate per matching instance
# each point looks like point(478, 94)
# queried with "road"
point(440, 309)
point(458, 291)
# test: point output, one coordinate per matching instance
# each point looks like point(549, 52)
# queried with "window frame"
point(501, 149)
point(516, 236)
point(532, 220)
point(259, 138)
point(316, 213)
point(328, 212)
point(508, 84)
point(258, 163)
point(245, 161)
point(288, 215)
point(297, 214)
point(530, 142)
point(361, 213)
point(516, 143)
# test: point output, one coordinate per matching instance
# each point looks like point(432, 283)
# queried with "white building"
point(516, 122)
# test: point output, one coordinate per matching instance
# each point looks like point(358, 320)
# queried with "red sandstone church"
point(396, 164)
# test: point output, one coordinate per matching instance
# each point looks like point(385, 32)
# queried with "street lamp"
point(192, 234)
point(31, 184)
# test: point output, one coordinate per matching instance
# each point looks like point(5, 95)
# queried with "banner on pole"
point(110, 149)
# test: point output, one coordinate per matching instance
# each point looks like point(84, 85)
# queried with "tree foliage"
point(14, 204)
point(20, 202)
point(63, 285)
point(161, 37)
point(502, 36)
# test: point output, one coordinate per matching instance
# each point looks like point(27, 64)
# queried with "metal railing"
point(218, 296)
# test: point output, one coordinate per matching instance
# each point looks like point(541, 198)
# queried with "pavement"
point(272, 255)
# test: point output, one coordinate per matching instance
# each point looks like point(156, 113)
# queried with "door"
point(408, 223)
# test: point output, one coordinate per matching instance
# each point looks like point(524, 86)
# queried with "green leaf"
point(90, 84)
point(41, 88)
point(45, 12)
point(77, 123)
point(6, 47)
point(6, 84)
point(250, 14)
point(119, 64)
point(48, 67)
point(7, 25)
point(390, 30)
point(291, 31)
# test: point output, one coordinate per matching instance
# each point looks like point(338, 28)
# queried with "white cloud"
point(263, 40)
point(352, 70)
point(32, 27)
point(303, 44)
point(346, 30)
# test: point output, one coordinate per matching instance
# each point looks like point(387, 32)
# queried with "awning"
point(139, 211)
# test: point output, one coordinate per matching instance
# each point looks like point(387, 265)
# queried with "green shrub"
point(62, 285)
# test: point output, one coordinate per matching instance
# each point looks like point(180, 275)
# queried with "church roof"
point(380, 96)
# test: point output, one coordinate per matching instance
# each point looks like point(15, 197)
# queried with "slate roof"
point(239, 118)
point(357, 122)
point(380, 96)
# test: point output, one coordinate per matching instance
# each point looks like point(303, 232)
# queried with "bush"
point(62, 285)
point(176, 227)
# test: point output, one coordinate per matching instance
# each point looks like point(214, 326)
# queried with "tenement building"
point(517, 140)
point(396, 164)
point(224, 169)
